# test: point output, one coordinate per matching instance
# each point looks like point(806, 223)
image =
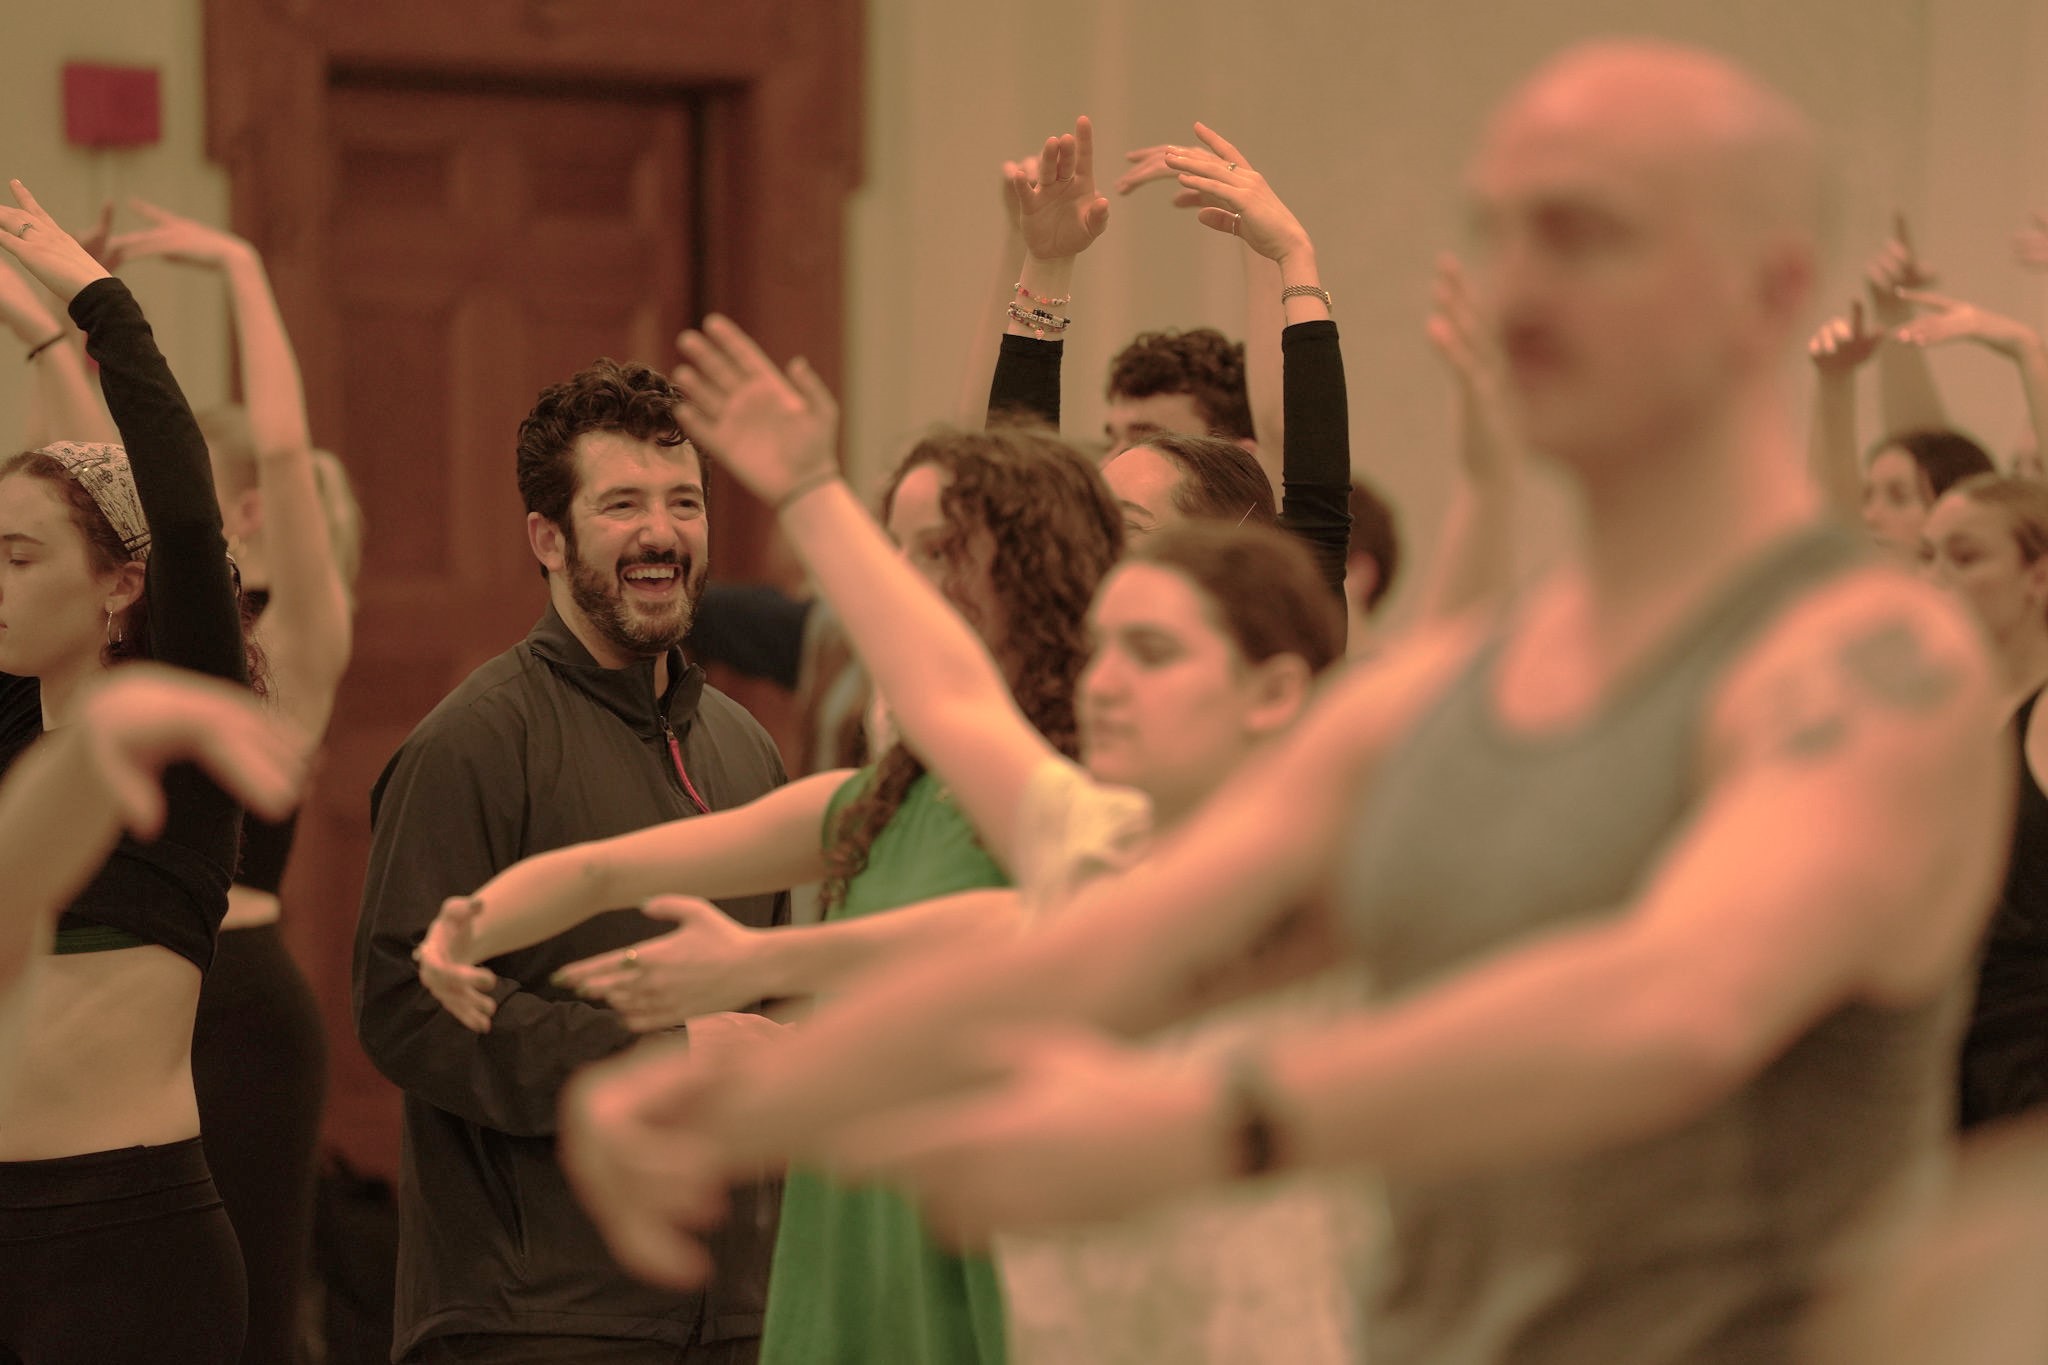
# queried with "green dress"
point(856, 1277)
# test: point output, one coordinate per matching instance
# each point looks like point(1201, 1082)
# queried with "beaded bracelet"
point(1044, 301)
point(40, 347)
point(1038, 321)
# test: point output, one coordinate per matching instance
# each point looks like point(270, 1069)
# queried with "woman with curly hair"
point(1016, 528)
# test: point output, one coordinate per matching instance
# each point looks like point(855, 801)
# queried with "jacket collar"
point(628, 692)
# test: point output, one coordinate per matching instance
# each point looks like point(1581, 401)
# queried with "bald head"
point(1692, 121)
point(1649, 223)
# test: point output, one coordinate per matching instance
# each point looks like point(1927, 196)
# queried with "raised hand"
point(171, 237)
point(2030, 243)
point(645, 1174)
point(1059, 210)
point(1845, 343)
point(147, 717)
point(30, 235)
point(1147, 165)
point(708, 964)
point(1458, 333)
point(1233, 197)
point(447, 962)
point(1951, 320)
point(773, 430)
point(1895, 267)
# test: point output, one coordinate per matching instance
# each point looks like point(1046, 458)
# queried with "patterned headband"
point(102, 471)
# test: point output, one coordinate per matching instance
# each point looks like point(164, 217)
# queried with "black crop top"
point(173, 892)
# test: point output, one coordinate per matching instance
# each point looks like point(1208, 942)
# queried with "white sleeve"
point(1072, 829)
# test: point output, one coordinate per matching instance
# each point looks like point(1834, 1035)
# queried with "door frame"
point(778, 89)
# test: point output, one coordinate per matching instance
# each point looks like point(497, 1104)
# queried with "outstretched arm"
point(771, 843)
point(950, 700)
point(1757, 926)
point(307, 631)
point(711, 963)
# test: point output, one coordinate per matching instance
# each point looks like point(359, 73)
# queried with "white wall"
point(1362, 116)
point(36, 40)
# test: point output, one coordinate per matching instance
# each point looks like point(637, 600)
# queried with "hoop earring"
point(113, 639)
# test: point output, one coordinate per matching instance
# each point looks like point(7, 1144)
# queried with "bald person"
point(1671, 874)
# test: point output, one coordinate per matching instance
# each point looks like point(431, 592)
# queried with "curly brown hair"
point(1055, 532)
point(1202, 363)
point(605, 395)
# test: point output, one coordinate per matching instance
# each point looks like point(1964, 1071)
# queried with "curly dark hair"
point(605, 395)
point(105, 552)
point(1055, 531)
point(1202, 363)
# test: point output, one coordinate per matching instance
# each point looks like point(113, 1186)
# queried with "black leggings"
point(118, 1256)
point(259, 1063)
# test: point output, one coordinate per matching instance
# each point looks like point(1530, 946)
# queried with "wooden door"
point(480, 247)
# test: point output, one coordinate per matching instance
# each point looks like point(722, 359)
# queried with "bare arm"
point(772, 842)
point(1475, 558)
point(1907, 398)
point(1841, 347)
point(1876, 706)
point(307, 632)
point(972, 408)
point(711, 964)
point(950, 700)
point(63, 405)
point(1950, 320)
point(1131, 952)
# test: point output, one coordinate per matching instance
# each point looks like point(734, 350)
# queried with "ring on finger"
point(633, 959)
point(1236, 222)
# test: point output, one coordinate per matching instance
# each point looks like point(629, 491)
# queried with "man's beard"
point(600, 594)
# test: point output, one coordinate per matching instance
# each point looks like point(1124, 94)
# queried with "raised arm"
point(1315, 457)
point(1026, 372)
point(1841, 347)
point(773, 842)
point(1475, 557)
point(307, 630)
point(192, 613)
point(948, 697)
point(1951, 320)
point(63, 405)
point(1907, 398)
point(1057, 215)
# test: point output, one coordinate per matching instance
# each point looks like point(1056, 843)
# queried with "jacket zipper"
point(675, 753)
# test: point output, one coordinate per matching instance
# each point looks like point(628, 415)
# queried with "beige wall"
point(1361, 113)
point(36, 40)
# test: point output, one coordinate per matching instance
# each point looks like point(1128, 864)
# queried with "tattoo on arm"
point(1887, 664)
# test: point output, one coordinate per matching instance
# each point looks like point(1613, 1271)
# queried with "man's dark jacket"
point(539, 748)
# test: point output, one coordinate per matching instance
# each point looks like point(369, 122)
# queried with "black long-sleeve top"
point(173, 892)
point(540, 748)
point(1315, 456)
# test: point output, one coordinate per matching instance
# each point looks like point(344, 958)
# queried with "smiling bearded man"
point(592, 726)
